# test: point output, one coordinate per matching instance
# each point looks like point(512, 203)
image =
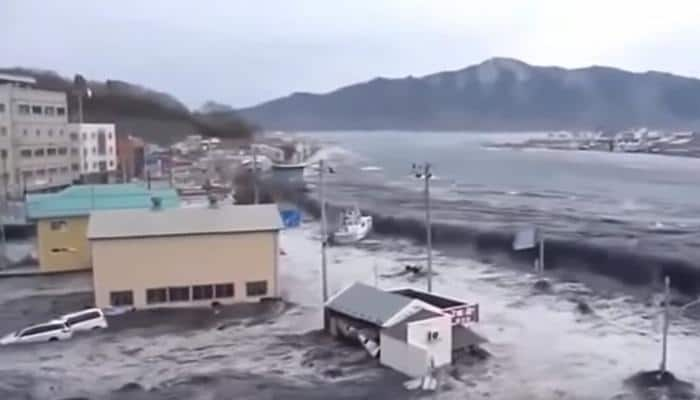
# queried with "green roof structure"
point(80, 200)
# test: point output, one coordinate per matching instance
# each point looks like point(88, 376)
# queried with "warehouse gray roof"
point(183, 221)
point(368, 303)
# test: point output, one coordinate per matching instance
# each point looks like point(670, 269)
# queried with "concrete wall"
point(441, 349)
point(66, 249)
point(401, 356)
point(140, 263)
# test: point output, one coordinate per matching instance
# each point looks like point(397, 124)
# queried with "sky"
point(243, 52)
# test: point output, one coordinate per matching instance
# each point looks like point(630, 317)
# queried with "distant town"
point(642, 140)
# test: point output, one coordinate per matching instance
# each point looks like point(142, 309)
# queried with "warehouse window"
point(60, 111)
point(51, 151)
point(223, 290)
point(257, 288)
point(179, 293)
point(121, 298)
point(36, 110)
point(159, 295)
point(202, 292)
point(39, 153)
point(59, 225)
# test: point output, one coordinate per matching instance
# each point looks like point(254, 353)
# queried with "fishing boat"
point(353, 227)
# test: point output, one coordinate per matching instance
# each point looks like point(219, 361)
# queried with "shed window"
point(257, 288)
point(202, 292)
point(59, 225)
point(154, 296)
point(223, 290)
point(121, 298)
point(180, 293)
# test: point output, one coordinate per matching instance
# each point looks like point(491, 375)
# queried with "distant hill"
point(155, 116)
point(498, 94)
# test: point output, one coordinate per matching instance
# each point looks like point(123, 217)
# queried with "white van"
point(85, 320)
point(48, 332)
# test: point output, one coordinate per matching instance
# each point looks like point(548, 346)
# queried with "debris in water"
point(583, 307)
point(543, 285)
point(333, 372)
point(656, 380)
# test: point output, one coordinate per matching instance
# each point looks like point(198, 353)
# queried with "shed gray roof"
point(368, 303)
point(183, 221)
point(400, 330)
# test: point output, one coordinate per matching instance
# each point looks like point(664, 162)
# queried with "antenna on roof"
point(213, 200)
point(156, 203)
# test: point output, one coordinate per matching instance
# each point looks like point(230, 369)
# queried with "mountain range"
point(497, 94)
point(157, 117)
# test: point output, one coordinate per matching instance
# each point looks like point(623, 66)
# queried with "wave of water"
point(561, 255)
point(628, 234)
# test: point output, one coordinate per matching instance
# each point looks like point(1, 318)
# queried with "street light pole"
point(424, 172)
point(664, 338)
point(324, 233)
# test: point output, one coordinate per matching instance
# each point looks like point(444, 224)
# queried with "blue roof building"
point(79, 200)
point(62, 219)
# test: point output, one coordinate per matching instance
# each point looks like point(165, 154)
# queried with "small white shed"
point(418, 343)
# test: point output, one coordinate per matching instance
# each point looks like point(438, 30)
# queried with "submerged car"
point(85, 320)
point(47, 332)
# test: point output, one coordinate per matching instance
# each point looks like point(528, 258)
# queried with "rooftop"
point(400, 330)
point(80, 200)
point(433, 299)
point(368, 303)
point(27, 80)
point(184, 221)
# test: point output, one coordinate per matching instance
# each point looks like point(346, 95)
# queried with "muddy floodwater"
point(542, 345)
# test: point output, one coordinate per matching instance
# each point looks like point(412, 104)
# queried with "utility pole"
point(540, 262)
point(664, 337)
point(324, 233)
point(424, 172)
point(171, 165)
point(80, 108)
point(256, 191)
point(3, 211)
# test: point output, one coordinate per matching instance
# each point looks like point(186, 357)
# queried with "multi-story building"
point(97, 148)
point(35, 146)
point(131, 157)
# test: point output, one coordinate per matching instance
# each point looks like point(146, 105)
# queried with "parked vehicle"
point(85, 320)
point(47, 332)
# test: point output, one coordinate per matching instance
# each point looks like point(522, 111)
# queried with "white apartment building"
point(97, 144)
point(36, 150)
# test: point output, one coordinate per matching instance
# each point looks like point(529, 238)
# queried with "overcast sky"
point(242, 52)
